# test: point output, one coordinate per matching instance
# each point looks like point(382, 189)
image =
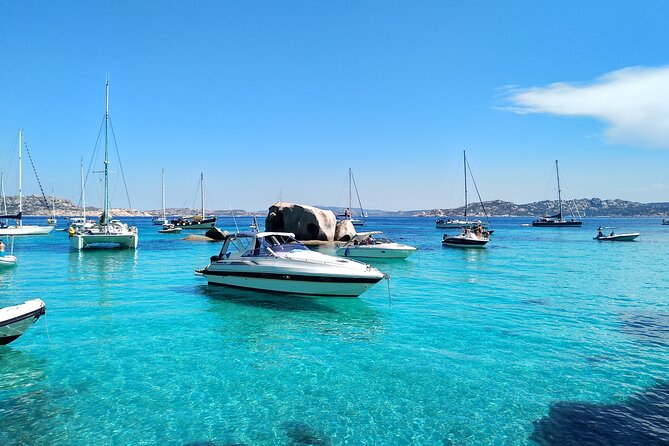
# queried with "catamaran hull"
point(14, 321)
point(292, 284)
point(85, 241)
point(26, 230)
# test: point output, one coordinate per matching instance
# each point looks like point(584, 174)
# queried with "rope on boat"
point(118, 157)
point(30, 157)
point(46, 324)
point(387, 278)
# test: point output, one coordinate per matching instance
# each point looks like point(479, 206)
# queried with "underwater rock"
point(643, 419)
point(301, 434)
point(648, 328)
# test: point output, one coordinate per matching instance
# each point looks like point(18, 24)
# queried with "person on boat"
point(347, 213)
point(600, 234)
point(2, 248)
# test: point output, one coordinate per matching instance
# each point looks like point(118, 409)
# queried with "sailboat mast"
point(20, 179)
point(106, 215)
point(464, 159)
point(557, 172)
point(2, 187)
point(202, 192)
point(163, 190)
point(350, 179)
point(83, 195)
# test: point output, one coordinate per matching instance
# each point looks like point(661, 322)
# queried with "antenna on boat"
point(233, 217)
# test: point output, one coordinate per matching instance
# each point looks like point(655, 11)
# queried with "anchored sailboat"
point(557, 220)
point(197, 221)
point(106, 231)
point(348, 212)
point(473, 233)
point(158, 220)
point(19, 228)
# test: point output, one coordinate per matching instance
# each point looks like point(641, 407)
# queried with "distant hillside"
point(590, 207)
point(35, 205)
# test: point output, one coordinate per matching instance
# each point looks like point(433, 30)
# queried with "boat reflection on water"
point(103, 264)
point(259, 313)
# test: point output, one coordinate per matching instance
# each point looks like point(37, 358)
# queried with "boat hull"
point(7, 260)
point(15, 320)
point(376, 252)
point(459, 224)
point(618, 238)
point(464, 242)
point(170, 231)
point(557, 224)
point(289, 276)
point(91, 241)
point(26, 230)
point(207, 223)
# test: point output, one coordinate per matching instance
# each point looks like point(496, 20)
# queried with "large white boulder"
point(306, 222)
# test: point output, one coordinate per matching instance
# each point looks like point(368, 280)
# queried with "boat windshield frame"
point(260, 245)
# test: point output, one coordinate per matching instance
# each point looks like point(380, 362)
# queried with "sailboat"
point(158, 220)
point(107, 231)
point(348, 212)
point(557, 220)
point(52, 220)
point(79, 223)
point(455, 223)
point(19, 228)
point(6, 259)
point(473, 233)
point(197, 221)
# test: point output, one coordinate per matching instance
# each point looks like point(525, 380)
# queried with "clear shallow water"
point(508, 345)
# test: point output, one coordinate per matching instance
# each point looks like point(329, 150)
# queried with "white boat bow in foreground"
point(15, 320)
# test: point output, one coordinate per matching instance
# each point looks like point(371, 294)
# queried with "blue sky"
point(274, 99)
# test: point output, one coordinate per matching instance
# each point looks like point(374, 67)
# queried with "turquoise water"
point(463, 347)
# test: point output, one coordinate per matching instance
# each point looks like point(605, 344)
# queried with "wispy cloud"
point(634, 102)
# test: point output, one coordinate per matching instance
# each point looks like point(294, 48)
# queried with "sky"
point(277, 100)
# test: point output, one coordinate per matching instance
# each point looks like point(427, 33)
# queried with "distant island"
point(590, 207)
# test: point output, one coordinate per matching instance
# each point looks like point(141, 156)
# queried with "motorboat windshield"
point(260, 245)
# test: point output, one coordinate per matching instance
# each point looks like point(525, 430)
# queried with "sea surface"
point(546, 337)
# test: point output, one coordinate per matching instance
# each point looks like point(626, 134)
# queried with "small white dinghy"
point(7, 259)
point(15, 320)
point(613, 237)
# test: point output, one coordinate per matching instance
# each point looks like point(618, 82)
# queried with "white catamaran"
point(19, 228)
point(106, 232)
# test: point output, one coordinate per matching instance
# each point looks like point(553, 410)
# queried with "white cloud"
point(634, 102)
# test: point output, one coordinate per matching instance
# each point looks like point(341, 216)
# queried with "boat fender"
point(70, 231)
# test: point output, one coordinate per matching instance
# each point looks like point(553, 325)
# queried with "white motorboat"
point(169, 229)
point(7, 259)
point(15, 320)
point(197, 221)
point(275, 261)
point(19, 228)
point(375, 246)
point(453, 223)
point(613, 237)
point(468, 239)
point(106, 232)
